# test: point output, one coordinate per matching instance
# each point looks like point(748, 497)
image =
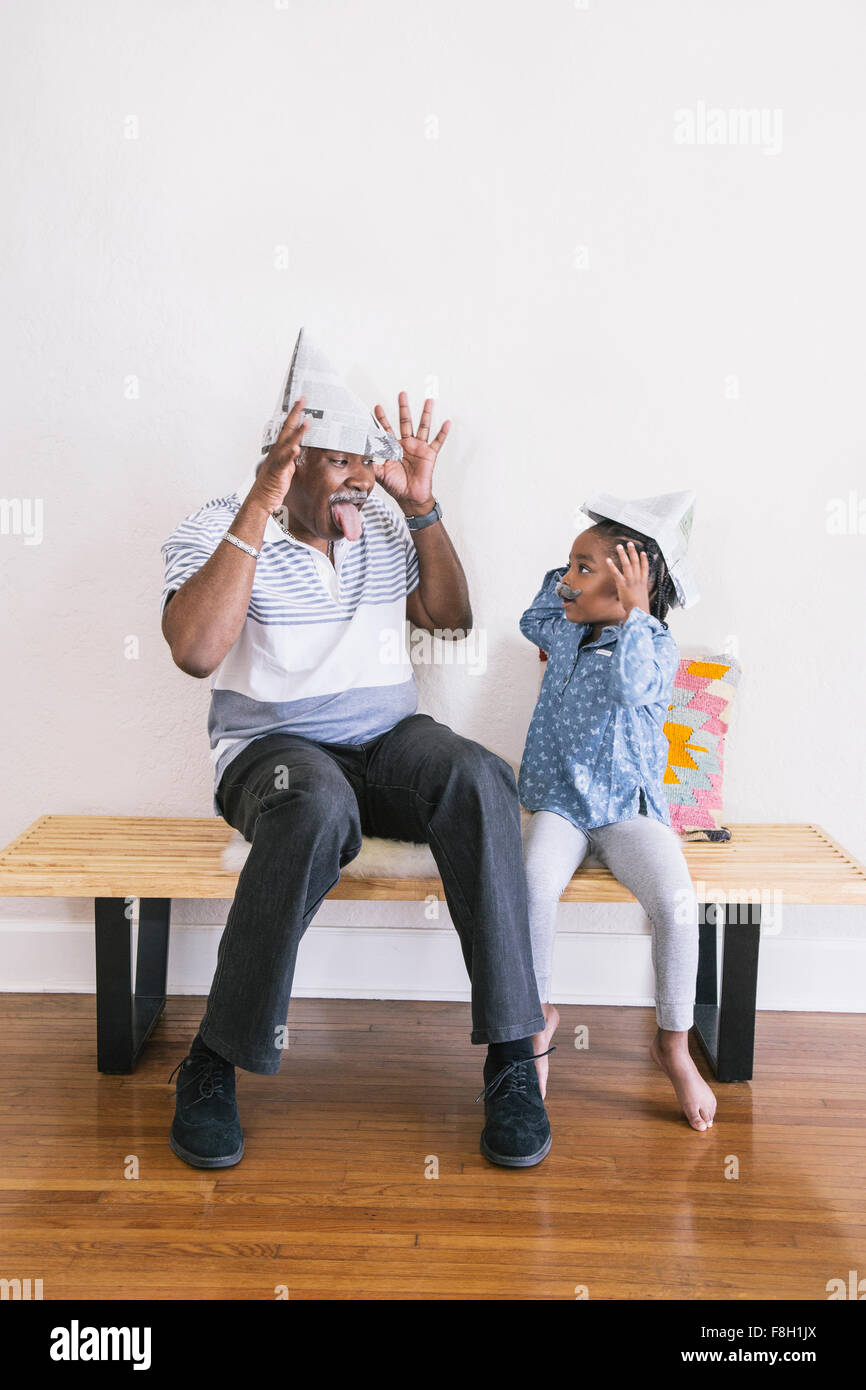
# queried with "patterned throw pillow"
point(700, 712)
point(704, 688)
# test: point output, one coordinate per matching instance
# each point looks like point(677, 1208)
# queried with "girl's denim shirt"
point(596, 739)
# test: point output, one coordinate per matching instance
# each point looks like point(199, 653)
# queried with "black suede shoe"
point(517, 1133)
point(206, 1131)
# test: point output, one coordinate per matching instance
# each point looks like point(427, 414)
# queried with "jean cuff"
point(247, 1061)
point(509, 1034)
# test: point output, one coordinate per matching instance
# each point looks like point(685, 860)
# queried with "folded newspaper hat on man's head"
point(666, 519)
point(336, 417)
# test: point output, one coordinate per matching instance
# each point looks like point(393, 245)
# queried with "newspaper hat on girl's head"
point(336, 417)
point(666, 519)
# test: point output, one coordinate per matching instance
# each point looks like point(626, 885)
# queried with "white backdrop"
point(525, 210)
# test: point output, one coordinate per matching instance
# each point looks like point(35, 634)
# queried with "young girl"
point(592, 772)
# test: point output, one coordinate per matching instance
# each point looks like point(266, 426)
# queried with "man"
point(282, 594)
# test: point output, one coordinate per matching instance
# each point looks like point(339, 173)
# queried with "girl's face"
point(597, 602)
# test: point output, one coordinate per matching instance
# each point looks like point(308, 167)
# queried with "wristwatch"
point(417, 523)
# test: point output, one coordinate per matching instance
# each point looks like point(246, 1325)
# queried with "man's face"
point(322, 478)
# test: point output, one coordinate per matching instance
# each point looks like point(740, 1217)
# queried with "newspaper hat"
point(336, 417)
point(666, 519)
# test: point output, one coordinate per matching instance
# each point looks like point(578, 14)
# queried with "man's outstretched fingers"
point(379, 412)
point(405, 416)
point(437, 443)
point(294, 424)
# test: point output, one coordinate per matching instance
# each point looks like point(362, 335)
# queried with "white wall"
point(492, 194)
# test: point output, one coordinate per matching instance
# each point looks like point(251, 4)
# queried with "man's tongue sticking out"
point(348, 517)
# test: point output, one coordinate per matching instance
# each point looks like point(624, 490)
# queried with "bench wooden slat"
point(62, 856)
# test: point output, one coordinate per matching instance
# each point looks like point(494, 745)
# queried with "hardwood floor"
point(331, 1200)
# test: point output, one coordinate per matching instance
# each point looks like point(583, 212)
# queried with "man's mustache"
point(348, 495)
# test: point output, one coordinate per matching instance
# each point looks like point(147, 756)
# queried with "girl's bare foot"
point(670, 1051)
point(542, 1042)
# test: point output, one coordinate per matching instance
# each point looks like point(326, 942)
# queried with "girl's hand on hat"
point(632, 580)
point(410, 480)
point(276, 473)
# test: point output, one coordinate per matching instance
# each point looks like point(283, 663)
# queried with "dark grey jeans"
point(304, 806)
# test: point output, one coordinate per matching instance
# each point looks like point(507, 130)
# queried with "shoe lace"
point(207, 1071)
point(514, 1073)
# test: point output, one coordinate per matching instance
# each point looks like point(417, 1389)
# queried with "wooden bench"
point(116, 859)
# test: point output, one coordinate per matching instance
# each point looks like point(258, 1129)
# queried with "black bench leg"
point(725, 1019)
point(126, 1013)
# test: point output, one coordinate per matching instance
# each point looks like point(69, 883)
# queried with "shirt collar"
point(610, 633)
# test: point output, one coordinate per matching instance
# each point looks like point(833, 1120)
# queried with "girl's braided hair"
point(661, 586)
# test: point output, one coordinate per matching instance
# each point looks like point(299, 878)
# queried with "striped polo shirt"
point(322, 651)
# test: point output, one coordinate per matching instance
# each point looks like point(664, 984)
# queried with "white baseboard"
point(606, 961)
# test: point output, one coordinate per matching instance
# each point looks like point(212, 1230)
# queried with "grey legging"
point(644, 855)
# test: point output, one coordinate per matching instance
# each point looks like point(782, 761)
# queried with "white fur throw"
point(379, 858)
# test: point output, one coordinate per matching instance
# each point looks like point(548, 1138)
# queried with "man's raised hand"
point(410, 480)
point(276, 473)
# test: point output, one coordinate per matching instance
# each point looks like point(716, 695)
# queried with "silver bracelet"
point(242, 545)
